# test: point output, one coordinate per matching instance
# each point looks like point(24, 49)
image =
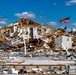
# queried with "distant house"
point(65, 40)
point(74, 30)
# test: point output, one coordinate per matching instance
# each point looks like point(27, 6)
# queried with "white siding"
point(35, 33)
point(15, 28)
point(67, 42)
point(58, 42)
point(11, 34)
point(42, 30)
point(74, 29)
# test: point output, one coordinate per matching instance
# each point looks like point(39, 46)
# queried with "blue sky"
point(41, 11)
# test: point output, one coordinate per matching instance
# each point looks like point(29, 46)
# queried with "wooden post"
point(23, 67)
point(3, 66)
point(50, 67)
point(14, 66)
point(61, 67)
point(37, 66)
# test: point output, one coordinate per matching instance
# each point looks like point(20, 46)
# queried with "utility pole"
point(24, 41)
point(65, 49)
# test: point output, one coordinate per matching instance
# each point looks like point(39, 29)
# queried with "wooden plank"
point(29, 65)
point(51, 74)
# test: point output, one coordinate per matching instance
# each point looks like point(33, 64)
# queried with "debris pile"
point(45, 40)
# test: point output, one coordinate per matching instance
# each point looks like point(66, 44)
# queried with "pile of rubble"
point(45, 40)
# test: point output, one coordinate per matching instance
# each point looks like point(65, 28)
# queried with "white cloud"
point(42, 12)
point(68, 29)
point(74, 24)
point(2, 22)
point(52, 23)
point(71, 2)
point(62, 27)
point(43, 18)
point(25, 15)
point(67, 4)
